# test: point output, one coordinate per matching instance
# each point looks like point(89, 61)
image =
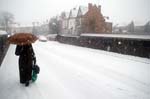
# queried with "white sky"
point(119, 11)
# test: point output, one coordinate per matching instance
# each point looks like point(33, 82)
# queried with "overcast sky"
point(119, 11)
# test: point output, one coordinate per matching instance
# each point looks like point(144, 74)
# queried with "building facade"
point(84, 20)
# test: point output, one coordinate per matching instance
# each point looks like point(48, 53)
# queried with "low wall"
point(128, 46)
point(3, 47)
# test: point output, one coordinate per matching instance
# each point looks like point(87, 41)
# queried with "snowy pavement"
point(71, 72)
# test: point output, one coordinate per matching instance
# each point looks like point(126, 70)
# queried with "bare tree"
point(54, 26)
point(6, 18)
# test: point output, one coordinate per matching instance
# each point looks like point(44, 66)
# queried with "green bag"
point(34, 76)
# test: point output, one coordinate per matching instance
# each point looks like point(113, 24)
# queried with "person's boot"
point(27, 84)
point(22, 81)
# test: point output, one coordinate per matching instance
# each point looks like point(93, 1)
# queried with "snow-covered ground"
point(71, 72)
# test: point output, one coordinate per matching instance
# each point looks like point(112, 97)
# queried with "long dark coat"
point(26, 59)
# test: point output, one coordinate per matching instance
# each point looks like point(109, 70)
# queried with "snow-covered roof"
point(129, 36)
point(74, 12)
point(3, 32)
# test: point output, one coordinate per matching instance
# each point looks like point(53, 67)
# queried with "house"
point(84, 20)
point(72, 21)
point(80, 18)
point(69, 21)
point(94, 21)
point(64, 22)
point(133, 29)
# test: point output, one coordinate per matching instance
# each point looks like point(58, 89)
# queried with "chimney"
point(99, 7)
point(89, 6)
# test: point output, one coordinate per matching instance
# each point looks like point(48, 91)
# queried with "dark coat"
point(26, 59)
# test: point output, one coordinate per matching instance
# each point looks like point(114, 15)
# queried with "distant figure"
point(26, 61)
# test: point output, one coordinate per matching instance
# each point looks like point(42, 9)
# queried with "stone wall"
point(135, 47)
point(3, 47)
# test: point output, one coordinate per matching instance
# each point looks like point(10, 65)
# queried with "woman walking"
point(26, 55)
point(26, 61)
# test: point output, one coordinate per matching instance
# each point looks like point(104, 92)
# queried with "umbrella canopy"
point(22, 38)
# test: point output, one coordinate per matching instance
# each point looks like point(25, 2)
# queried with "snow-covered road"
point(71, 72)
